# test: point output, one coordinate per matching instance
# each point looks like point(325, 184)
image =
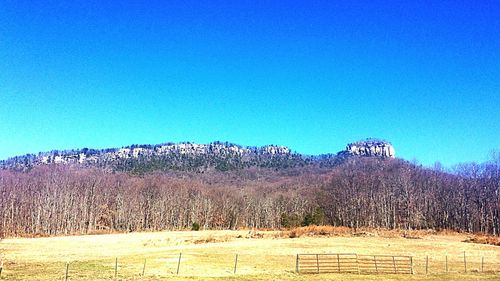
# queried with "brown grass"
point(483, 239)
point(325, 230)
point(336, 231)
point(210, 255)
point(316, 230)
point(211, 239)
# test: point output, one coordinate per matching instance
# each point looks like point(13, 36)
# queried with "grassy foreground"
point(210, 255)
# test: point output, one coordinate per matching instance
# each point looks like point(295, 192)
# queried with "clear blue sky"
point(311, 75)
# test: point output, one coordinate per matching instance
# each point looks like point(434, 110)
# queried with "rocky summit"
point(371, 147)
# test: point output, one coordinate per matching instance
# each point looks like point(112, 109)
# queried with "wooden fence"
point(353, 263)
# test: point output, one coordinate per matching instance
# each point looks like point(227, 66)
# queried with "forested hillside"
point(355, 192)
point(192, 157)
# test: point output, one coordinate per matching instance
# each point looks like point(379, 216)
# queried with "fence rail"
point(327, 263)
point(385, 264)
point(353, 263)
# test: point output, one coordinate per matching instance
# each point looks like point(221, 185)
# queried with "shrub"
point(195, 226)
point(317, 217)
point(315, 230)
point(290, 220)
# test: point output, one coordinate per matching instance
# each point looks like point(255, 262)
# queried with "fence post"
point(297, 264)
point(375, 260)
point(357, 264)
point(67, 269)
point(426, 264)
point(179, 263)
point(144, 267)
point(116, 267)
point(317, 262)
point(338, 263)
point(465, 263)
point(1, 268)
point(446, 263)
point(411, 263)
point(394, 263)
point(235, 263)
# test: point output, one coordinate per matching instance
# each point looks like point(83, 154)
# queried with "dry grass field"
point(210, 255)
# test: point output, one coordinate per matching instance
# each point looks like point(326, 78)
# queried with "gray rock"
point(371, 147)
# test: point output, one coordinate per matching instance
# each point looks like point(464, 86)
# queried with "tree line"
point(361, 192)
point(397, 194)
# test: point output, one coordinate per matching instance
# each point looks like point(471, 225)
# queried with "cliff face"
point(181, 156)
point(196, 157)
point(371, 148)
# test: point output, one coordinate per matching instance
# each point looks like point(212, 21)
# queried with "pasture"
point(211, 255)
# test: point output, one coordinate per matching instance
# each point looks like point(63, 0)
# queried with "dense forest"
point(354, 192)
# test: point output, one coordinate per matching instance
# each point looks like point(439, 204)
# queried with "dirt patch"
point(211, 239)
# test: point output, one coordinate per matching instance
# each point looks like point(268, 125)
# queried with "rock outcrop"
point(195, 157)
point(371, 147)
point(181, 154)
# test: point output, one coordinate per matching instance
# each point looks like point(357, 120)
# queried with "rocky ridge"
point(371, 147)
point(195, 157)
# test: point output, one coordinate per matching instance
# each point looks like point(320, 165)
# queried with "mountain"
point(227, 186)
point(187, 156)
